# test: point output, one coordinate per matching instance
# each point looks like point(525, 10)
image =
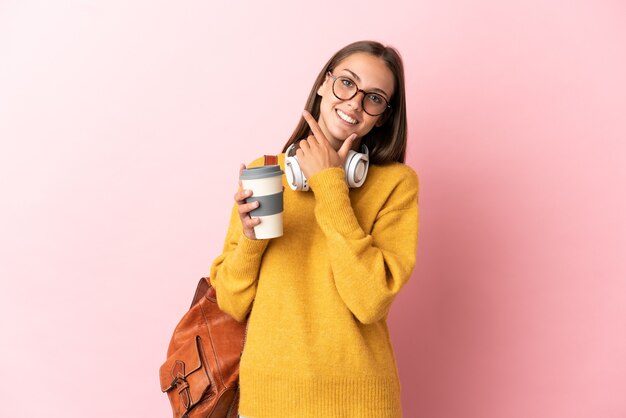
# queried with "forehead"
point(372, 71)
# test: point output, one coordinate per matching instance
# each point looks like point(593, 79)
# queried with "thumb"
point(345, 147)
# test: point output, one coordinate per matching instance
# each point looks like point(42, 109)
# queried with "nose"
point(357, 101)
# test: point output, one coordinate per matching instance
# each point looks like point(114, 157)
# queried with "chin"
point(342, 134)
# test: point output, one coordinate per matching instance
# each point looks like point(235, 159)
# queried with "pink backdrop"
point(122, 127)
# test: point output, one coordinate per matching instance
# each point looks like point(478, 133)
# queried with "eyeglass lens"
point(345, 89)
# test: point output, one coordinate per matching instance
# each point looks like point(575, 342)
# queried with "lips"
point(350, 119)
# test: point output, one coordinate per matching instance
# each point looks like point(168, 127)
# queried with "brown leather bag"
point(201, 373)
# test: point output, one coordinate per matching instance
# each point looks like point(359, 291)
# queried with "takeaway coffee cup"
point(267, 188)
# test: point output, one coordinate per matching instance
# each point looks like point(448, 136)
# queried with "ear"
point(320, 90)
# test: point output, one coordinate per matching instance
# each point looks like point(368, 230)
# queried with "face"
point(341, 118)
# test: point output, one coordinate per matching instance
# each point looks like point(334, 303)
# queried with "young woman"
point(318, 296)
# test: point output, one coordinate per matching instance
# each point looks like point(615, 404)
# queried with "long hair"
point(386, 143)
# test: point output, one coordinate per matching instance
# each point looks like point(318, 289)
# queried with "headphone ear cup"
point(356, 167)
point(295, 176)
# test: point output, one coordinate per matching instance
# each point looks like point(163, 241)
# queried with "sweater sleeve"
point(234, 273)
point(369, 269)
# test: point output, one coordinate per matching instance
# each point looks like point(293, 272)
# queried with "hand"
point(316, 153)
point(247, 221)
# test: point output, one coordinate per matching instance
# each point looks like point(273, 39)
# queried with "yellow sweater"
point(318, 345)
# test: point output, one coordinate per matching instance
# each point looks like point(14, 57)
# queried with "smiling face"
point(340, 118)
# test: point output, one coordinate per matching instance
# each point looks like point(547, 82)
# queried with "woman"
point(318, 296)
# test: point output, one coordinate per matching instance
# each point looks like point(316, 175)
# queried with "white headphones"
point(356, 167)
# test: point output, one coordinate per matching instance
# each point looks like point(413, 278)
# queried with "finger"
point(315, 128)
point(304, 146)
point(313, 141)
point(252, 222)
point(242, 195)
point(345, 147)
point(248, 207)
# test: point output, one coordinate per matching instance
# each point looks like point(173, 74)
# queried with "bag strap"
point(271, 160)
point(203, 287)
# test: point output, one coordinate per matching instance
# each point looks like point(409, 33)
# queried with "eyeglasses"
point(344, 88)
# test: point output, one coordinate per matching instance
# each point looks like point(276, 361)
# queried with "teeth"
point(346, 117)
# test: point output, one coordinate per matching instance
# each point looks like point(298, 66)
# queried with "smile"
point(346, 118)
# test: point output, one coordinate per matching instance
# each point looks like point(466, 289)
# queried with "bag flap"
point(185, 365)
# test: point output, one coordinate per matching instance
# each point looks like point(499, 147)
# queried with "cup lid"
point(261, 172)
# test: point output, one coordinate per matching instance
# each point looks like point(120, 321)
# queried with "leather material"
point(201, 373)
point(271, 160)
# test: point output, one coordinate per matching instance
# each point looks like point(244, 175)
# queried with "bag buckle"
point(180, 382)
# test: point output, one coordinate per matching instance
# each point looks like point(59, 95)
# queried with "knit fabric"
point(318, 297)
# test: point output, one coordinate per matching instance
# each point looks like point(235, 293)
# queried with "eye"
point(375, 98)
point(346, 82)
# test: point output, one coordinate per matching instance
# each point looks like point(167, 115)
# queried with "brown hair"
point(386, 143)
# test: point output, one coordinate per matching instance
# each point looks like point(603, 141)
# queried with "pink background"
point(122, 127)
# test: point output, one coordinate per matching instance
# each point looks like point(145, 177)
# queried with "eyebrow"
point(357, 78)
